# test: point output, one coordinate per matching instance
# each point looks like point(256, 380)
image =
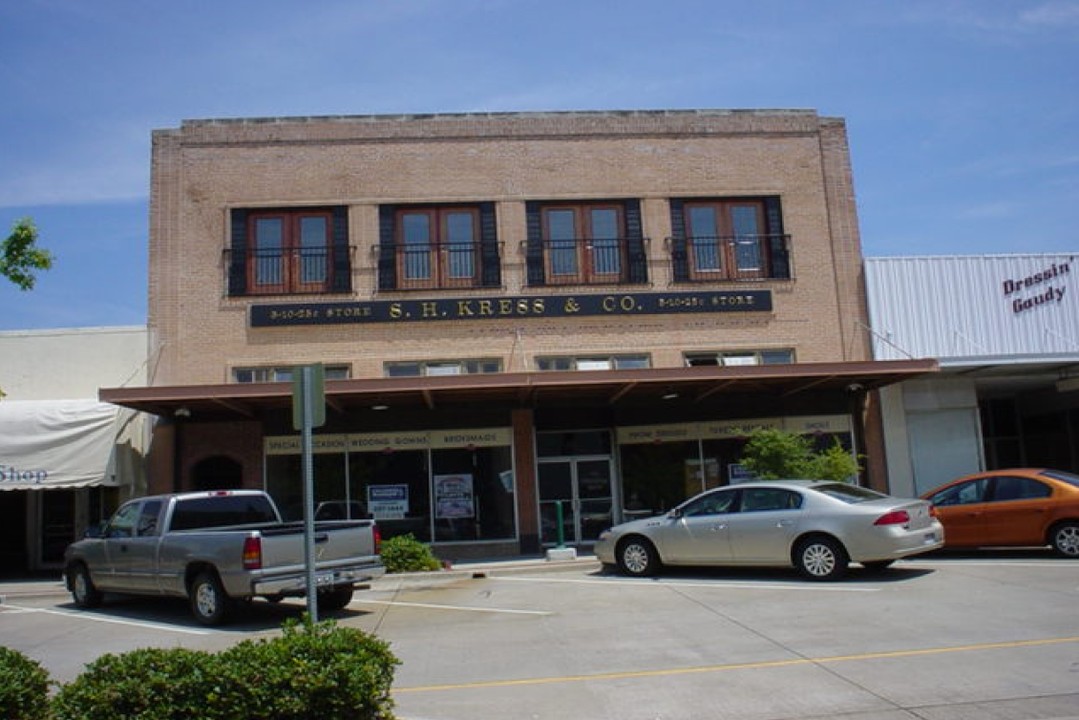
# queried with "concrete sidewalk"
point(44, 586)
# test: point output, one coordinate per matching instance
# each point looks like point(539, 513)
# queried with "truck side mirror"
point(96, 531)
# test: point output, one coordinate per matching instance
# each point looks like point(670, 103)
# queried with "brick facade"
point(204, 169)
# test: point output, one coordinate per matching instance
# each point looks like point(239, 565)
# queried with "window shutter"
point(780, 254)
point(237, 277)
point(534, 250)
point(387, 265)
point(679, 258)
point(637, 270)
point(490, 262)
point(342, 260)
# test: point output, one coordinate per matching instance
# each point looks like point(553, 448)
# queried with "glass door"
point(578, 489)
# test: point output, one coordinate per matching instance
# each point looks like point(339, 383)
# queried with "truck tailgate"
point(336, 542)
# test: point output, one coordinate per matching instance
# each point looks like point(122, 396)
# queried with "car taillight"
point(253, 553)
point(377, 535)
point(895, 517)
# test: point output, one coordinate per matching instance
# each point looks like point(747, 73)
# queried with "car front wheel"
point(637, 557)
point(1065, 539)
point(821, 558)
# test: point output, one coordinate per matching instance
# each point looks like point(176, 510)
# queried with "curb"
point(464, 570)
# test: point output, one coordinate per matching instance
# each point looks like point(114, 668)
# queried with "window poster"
point(453, 496)
point(387, 502)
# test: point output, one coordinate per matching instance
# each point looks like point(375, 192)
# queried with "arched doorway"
point(217, 473)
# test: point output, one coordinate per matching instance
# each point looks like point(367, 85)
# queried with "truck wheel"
point(209, 603)
point(334, 599)
point(83, 591)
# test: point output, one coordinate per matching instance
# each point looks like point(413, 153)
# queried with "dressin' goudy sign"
point(395, 311)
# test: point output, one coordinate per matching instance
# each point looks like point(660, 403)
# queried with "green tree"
point(772, 454)
point(20, 256)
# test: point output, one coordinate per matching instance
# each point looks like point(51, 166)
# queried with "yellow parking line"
point(742, 666)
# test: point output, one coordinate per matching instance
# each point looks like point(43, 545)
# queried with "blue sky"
point(963, 115)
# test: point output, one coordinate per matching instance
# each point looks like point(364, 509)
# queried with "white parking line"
point(735, 584)
point(990, 562)
point(464, 608)
point(116, 621)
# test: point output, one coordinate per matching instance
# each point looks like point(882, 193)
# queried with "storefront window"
point(415, 482)
point(657, 477)
point(473, 491)
point(393, 484)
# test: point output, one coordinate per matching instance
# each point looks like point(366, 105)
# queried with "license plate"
point(929, 538)
point(324, 579)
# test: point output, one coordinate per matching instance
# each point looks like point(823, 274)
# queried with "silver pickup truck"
point(215, 548)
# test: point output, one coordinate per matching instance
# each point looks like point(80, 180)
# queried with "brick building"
point(515, 312)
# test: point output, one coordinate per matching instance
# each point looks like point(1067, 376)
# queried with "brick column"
point(524, 454)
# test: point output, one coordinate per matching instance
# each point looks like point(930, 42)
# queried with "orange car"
point(1019, 506)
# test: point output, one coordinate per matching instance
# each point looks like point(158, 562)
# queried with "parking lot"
point(940, 638)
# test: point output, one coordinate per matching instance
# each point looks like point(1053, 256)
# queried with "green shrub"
point(405, 553)
point(311, 671)
point(774, 454)
point(151, 683)
point(24, 687)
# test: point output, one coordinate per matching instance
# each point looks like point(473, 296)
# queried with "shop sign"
point(808, 424)
point(486, 437)
point(1045, 287)
point(738, 428)
point(727, 429)
point(391, 441)
point(293, 444)
point(374, 442)
point(387, 502)
point(541, 306)
point(12, 474)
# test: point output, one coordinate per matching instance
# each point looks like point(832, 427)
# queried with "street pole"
point(308, 494)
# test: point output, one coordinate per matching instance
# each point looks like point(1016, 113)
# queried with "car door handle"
point(718, 527)
point(784, 523)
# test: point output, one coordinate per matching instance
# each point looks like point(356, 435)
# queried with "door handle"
point(784, 523)
point(718, 527)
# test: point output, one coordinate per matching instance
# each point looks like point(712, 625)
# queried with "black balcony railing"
point(430, 266)
point(743, 257)
point(287, 270)
point(587, 261)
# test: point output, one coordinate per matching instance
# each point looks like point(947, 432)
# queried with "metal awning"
point(527, 389)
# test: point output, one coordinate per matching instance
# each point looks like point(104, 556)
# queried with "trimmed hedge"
point(311, 671)
point(24, 687)
point(404, 553)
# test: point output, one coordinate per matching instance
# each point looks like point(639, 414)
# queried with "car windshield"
point(1061, 476)
point(848, 493)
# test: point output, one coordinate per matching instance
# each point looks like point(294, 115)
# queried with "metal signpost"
point(309, 411)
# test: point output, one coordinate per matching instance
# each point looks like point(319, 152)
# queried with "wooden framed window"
point(584, 243)
point(289, 252)
point(726, 239)
point(292, 250)
point(437, 247)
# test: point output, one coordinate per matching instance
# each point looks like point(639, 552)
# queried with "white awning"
point(50, 444)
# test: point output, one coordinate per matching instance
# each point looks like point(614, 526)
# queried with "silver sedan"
point(817, 527)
